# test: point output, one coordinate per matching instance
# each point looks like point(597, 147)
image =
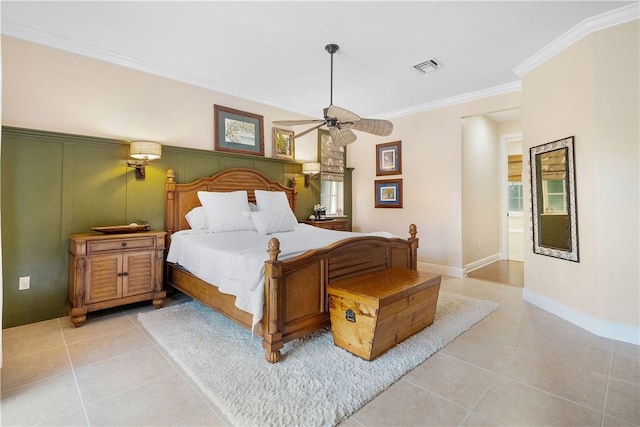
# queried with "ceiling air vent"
point(428, 66)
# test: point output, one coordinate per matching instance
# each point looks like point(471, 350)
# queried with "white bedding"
point(234, 261)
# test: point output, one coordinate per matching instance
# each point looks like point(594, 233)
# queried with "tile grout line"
point(73, 372)
point(500, 373)
point(606, 387)
point(160, 350)
point(538, 388)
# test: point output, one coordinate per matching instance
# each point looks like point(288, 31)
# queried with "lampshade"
point(145, 150)
point(310, 168)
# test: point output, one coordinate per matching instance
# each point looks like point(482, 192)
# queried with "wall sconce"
point(310, 170)
point(143, 152)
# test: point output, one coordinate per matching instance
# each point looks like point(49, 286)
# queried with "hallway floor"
point(505, 272)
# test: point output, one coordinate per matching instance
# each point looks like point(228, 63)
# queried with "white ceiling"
point(273, 52)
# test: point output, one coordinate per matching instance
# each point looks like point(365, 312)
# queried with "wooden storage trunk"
point(372, 313)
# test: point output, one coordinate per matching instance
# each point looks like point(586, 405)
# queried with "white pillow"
point(197, 218)
point(268, 222)
point(277, 214)
point(271, 200)
point(226, 211)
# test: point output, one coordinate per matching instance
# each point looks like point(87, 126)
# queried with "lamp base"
point(140, 167)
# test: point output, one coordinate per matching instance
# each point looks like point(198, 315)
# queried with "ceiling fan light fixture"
point(340, 121)
point(428, 66)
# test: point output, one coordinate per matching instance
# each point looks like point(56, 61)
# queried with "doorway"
point(512, 197)
point(507, 264)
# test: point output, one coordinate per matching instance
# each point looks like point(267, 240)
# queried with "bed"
point(295, 300)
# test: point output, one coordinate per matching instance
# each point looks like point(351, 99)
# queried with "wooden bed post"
point(272, 339)
point(413, 240)
point(169, 225)
point(413, 230)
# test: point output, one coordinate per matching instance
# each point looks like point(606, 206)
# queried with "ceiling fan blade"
point(341, 137)
point(296, 122)
point(308, 130)
point(374, 126)
point(340, 114)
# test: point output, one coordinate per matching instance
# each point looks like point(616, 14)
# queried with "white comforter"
point(234, 261)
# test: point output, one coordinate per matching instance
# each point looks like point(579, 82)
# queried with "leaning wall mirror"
point(553, 200)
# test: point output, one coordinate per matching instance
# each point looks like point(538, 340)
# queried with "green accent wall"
point(54, 184)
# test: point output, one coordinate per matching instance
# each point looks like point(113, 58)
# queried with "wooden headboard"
point(181, 198)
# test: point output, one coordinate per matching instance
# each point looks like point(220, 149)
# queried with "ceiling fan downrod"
point(331, 48)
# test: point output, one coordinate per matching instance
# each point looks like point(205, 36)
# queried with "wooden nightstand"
point(108, 270)
point(340, 224)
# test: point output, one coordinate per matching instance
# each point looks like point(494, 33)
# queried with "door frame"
point(504, 193)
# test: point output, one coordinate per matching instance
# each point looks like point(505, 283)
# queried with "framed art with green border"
point(238, 131)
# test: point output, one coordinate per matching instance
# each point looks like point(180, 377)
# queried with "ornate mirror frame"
point(554, 234)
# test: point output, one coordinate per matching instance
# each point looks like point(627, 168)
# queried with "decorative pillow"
point(197, 218)
point(272, 200)
point(269, 222)
point(226, 211)
point(276, 204)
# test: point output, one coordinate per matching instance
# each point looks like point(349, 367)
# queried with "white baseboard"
point(480, 263)
point(440, 269)
point(600, 327)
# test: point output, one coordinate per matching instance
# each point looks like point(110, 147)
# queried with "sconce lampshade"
point(311, 168)
point(145, 150)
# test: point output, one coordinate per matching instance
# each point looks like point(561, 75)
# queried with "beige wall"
point(432, 178)
point(480, 189)
point(590, 90)
point(53, 90)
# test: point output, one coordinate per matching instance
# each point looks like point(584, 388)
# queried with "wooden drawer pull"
point(123, 244)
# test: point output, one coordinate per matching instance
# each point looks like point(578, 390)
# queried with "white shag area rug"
point(315, 383)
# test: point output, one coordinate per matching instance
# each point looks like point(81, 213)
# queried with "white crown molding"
point(22, 32)
point(616, 17)
point(459, 99)
point(84, 49)
point(584, 28)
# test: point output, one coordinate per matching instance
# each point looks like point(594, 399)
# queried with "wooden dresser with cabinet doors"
point(340, 224)
point(108, 270)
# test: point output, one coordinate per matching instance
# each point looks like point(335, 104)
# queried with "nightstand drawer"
point(339, 224)
point(335, 225)
point(123, 244)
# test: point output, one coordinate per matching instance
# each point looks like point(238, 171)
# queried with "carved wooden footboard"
point(296, 299)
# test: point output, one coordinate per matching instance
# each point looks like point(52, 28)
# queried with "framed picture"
point(238, 131)
point(388, 193)
point(283, 144)
point(389, 158)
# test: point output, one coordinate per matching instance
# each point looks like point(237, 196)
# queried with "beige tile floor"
point(519, 366)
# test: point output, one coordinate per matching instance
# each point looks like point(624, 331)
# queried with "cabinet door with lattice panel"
point(104, 278)
point(139, 268)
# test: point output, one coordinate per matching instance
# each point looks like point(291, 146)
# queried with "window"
point(332, 161)
point(515, 197)
point(554, 196)
point(332, 197)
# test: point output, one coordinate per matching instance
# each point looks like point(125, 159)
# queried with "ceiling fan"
point(340, 121)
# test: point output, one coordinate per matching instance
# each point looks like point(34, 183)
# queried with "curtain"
point(331, 159)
